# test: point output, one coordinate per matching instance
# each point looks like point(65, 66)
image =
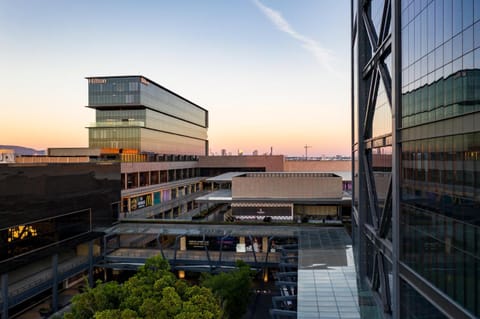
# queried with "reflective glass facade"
point(372, 150)
point(416, 145)
point(48, 205)
point(109, 91)
point(440, 158)
point(136, 113)
point(413, 305)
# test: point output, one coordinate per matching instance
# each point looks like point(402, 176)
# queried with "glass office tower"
point(133, 112)
point(416, 145)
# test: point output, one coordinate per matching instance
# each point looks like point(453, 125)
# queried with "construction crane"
point(306, 150)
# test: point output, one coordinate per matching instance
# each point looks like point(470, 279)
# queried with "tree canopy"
point(152, 293)
point(233, 289)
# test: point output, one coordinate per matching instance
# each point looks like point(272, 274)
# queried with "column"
point(265, 244)
point(90, 263)
point(5, 295)
point(397, 152)
point(55, 283)
point(183, 243)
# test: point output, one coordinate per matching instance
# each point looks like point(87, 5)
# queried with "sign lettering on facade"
point(97, 81)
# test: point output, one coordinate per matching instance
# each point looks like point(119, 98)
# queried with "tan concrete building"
point(286, 196)
point(281, 185)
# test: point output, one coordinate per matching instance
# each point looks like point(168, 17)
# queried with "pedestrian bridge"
point(195, 247)
point(212, 261)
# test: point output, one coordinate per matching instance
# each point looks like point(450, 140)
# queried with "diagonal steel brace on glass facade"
point(372, 71)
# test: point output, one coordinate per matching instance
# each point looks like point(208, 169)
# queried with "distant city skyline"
point(271, 73)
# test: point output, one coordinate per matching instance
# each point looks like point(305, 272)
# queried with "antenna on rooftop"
point(306, 150)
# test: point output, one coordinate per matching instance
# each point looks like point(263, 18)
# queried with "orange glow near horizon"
point(282, 142)
point(263, 87)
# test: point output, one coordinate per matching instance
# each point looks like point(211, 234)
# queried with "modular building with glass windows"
point(416, 145)
point(158, 136)
point(133, 112)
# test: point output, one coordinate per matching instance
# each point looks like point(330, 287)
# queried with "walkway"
point(327, 279)
point(122, 257)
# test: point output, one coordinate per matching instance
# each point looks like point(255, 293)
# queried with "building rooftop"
point(290, 174)
point(148, 81)
point(224, 178)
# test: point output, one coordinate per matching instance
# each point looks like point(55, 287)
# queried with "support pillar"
point(5, 296)
point(265, 244)
point(363, 54)
point(90, 263)
point(55, 283)
point(183, 243)
point(397, 153)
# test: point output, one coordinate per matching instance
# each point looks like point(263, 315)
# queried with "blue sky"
point(271, 73)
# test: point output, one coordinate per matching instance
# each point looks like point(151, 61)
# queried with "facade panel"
point(161, 122)
point(430, 80)
point(118, 91)
point(164, 101)
point(171, 143)
point(133, 112)
point(45, 204)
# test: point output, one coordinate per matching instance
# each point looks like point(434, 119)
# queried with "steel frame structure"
point(372, 221)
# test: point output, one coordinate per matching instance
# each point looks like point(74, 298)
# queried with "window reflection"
point(135, 113)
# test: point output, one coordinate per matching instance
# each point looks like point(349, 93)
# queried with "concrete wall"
point(51, 159)
point(274, 163)
point(301, 186)
point(134, 167)
point(318, 166)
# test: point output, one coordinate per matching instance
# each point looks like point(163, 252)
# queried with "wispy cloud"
point(322, 55)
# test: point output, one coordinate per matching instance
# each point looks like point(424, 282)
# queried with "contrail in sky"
point(323, 56)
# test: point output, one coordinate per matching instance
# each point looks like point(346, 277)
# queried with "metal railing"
point(43, 280)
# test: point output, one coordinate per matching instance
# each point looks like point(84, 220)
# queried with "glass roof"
point(327, 279)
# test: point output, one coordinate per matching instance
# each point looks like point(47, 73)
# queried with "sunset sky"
point(271, 73)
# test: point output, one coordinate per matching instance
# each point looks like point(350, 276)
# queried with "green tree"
point(152, 293)
point(201, 303)
point(103, 297)
point(232, 288)
point(108, 314)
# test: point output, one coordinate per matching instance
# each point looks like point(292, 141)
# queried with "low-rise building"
point(278, 196)
point(286, 196)
point(7, 156)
